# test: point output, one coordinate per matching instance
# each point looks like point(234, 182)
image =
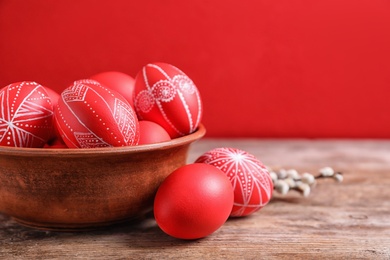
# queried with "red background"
point(285, 68)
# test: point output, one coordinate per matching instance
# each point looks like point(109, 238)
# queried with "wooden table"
point(348, 220)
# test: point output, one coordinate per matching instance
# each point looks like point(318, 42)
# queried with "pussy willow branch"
point(286, 180)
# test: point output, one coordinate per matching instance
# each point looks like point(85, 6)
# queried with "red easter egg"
point(53, 95)
point(89, 115)
point(168, 97)
point(249, 177)
point(193, 201)
point(150, 133)
point(118, 81)
point(26, 117)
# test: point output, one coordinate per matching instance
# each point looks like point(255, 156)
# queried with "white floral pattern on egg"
point(168, 97)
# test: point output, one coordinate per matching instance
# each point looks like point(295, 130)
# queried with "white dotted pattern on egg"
point(159, 94)
point(26, 115)
point(246, 173)
point(99, 111)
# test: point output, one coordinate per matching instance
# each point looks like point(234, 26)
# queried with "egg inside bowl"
point(74, 189)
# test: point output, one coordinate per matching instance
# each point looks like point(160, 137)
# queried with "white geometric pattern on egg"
point(75, 93)
point(98, 108)
point(25, 116)
point(125, 120)
point(246, 174)
point(89, 140)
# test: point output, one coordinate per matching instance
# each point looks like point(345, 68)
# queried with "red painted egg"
point(89, 115)
point(26, 117)
point(193, 201)
point(150, 133)
point(118, 81)
point(251, 180)
point(168, 97)
point(53, 95)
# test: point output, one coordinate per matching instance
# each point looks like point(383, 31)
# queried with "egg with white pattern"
point(26, 116)
point(249, 177)
point(167, 96)
point(90, 115)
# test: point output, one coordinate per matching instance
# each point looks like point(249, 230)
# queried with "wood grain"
point(348, 220)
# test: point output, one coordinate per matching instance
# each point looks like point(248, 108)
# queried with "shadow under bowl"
point(76, 189)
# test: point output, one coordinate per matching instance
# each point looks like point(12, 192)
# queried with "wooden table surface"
point(348, 220)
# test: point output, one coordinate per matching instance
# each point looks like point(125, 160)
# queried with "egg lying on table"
point(165, 95)
point(249, 177)
point(26, 116)
point(89, 115)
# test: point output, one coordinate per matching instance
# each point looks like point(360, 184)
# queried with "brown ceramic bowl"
point(72, 189)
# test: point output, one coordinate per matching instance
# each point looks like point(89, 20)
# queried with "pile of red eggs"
point(106, 110)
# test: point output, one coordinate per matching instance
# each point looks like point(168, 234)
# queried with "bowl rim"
point(179, 141)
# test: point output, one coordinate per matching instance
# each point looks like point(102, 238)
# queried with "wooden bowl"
point(73, 189)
